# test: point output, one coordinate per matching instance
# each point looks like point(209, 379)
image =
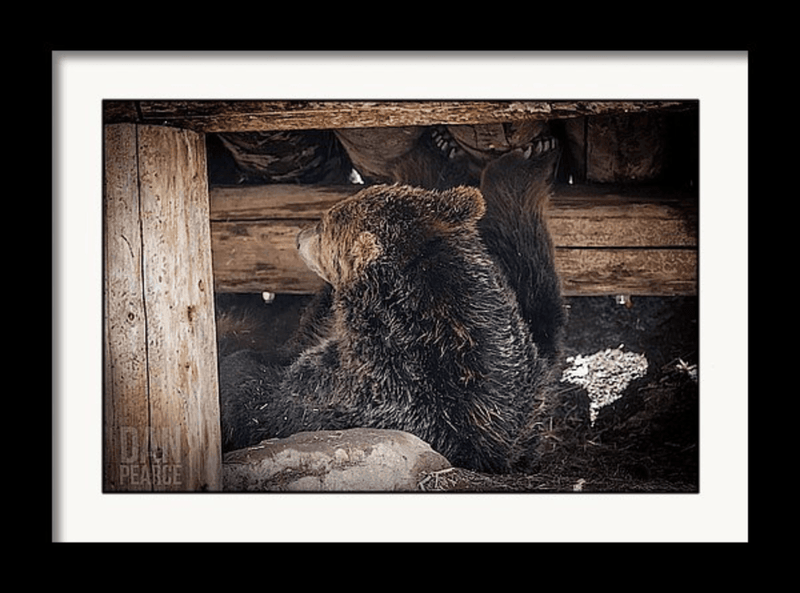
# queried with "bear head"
point(386, 225)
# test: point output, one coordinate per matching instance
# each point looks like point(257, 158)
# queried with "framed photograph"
point(485, 279)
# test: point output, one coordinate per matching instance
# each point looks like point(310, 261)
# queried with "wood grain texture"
point(258, 256)
point(162, 432)
point(647, 272)
point(602, 216)
point(609, 241)
point(250, 116)
point(125, 329)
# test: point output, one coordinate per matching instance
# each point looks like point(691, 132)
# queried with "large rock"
point(354, 460)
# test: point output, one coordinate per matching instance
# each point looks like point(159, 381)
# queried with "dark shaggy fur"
point(442, 318)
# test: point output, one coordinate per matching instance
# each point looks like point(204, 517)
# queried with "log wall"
point(607, 242)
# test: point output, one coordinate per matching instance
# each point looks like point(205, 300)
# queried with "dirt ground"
point(645, 441)
point(645, 436)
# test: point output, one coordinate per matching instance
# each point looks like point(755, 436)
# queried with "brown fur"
point(429, 323)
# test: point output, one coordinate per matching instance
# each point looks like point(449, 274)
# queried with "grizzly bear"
point(442, 317)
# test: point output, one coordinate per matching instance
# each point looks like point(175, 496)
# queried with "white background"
point(83, 513)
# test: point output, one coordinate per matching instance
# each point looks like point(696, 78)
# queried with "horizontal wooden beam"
point(260, 256)
point(251, 116)
point(647, 272)
point(607, 241)
point(622, 217)
point(580, 216)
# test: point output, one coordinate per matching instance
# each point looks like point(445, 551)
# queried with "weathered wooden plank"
point(609, 240)
point(249, 116)
point(179, 294)
point(597, 216)
point(160, 260)
point(261, 256)
point(125, 402)
point(594, 272)
point(275, 202)
point(580, 216)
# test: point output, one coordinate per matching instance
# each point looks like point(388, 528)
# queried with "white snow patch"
point(604, 375)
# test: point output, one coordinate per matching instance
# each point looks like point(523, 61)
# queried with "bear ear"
point(366, 249)
point(461, 206)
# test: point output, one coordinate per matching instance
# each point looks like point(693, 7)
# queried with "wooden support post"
point(161, 406)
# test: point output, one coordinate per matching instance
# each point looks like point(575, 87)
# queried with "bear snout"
point(303, 237)
point(307, 247)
